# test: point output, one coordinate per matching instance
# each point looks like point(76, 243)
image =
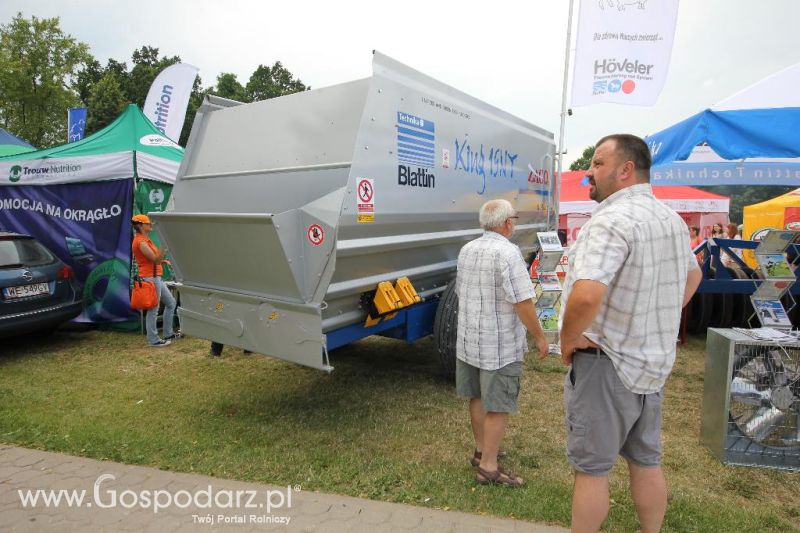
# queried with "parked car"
point(37, 290)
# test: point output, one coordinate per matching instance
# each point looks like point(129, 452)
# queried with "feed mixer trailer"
point(302, 223)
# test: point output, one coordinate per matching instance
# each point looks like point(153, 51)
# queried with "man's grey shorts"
point(497, 389)
point(604, 419)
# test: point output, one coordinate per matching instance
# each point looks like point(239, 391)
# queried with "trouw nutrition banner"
point(623, 50)
point(168, 97)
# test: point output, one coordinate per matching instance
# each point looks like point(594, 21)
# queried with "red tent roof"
point(575, 196)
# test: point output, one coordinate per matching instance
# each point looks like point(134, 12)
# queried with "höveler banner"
point(623, 50)
point(168, 98)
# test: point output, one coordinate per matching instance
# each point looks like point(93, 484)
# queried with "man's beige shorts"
point(497, 389)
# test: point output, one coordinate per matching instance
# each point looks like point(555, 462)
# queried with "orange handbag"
point(143, 293)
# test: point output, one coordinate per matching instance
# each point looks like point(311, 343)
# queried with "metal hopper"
point(287, 213)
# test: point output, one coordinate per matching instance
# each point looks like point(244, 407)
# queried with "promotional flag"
point(622, 51)
point(76, 123)
point(168, 98)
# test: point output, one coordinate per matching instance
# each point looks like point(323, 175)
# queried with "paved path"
point(199, 503)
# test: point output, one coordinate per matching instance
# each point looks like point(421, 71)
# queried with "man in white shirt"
point(631, 273)
point(495, 306)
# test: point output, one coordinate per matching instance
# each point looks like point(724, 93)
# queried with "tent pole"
point(560, 154)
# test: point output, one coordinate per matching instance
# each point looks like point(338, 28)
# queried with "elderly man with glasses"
point(495, 306)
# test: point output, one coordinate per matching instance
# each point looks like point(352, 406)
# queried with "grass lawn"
point(383, 425)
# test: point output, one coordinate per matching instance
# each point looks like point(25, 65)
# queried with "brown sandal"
point(498, 477)
point(477, 456)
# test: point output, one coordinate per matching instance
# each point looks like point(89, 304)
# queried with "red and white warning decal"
point(365, 191)
point(366, 200)
point(316, 235)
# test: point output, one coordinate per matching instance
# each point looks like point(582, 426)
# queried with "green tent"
point(78, 198)
point(131, 146)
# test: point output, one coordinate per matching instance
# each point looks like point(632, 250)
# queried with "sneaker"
point(160, 343)
point(175, 335)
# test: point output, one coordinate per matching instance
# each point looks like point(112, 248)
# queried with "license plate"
point(23, 291)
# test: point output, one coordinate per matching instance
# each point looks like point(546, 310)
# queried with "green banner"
point(152, 197)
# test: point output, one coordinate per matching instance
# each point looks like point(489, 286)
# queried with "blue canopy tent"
point(10, 144)
point(752, 137)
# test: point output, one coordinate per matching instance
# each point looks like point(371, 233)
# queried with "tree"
point(269, 82)
point(195, 100)
point(583, 162)
point(38, 64)
point(146, 66)
point(743, 195)
point(87, 77)
point(105, 103)
point(229, 87)
point(134, 84)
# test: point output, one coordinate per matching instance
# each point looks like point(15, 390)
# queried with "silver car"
point(37, 290)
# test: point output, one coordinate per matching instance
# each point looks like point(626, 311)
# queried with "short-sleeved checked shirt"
point(639, 248)
point(491, 278)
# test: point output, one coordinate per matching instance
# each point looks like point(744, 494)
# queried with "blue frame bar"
point(410, 324)
point(724, 283)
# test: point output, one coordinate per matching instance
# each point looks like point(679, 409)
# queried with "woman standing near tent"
point(148, 260)
point(733, 233)
point(716, 231)
point(696, 240)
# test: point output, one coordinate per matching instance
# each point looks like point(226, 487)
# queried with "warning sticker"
point(365, 191)
point(366, 200)
point(316, 235)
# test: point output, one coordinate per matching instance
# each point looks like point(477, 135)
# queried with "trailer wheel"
point(445, 327)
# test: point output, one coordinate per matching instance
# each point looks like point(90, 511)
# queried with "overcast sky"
point(510, 54)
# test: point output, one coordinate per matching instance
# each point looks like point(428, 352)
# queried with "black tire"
point(445, 327)
point(700, 309)
point(741, 302)
point(723, 308)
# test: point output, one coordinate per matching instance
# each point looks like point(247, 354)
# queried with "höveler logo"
point(626, 66)
point(15, 174)
point(627, 86)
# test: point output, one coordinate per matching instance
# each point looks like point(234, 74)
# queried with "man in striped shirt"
point(495, 306)
point(631, 273)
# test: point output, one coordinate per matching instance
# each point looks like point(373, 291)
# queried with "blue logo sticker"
point(416, 140)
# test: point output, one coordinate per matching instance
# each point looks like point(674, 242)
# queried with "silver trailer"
point(288, 213)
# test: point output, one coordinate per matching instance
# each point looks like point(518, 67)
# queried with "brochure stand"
point(546, 282)
point(778, 279)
